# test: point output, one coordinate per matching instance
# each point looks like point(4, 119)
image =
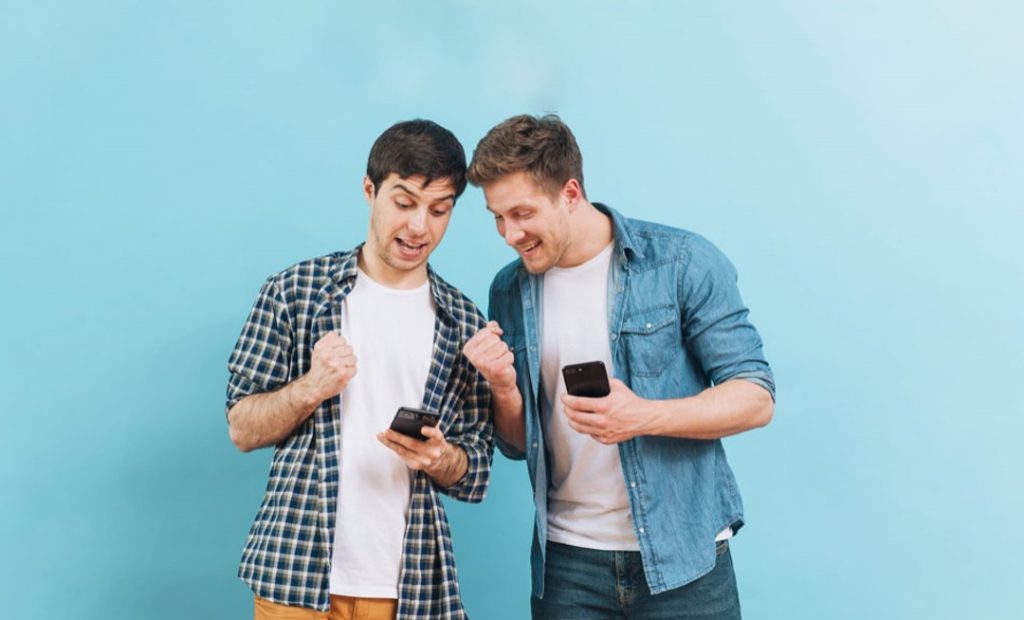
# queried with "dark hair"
point(418, 147)
point(543, 147)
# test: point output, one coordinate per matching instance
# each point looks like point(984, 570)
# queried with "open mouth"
point(410, 250)
point(528, 249)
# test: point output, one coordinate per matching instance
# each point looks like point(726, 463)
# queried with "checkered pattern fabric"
point(287, 556)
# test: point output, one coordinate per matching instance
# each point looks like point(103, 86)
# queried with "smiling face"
point(532, 221)
point(407, 221)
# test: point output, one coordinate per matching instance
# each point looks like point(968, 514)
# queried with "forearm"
point(262, 420)
point(509, 421)
point(728, 408)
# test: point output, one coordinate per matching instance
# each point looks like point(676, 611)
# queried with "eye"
point(440, 212)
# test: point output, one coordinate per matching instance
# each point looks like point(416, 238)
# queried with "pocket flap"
point(650, 320)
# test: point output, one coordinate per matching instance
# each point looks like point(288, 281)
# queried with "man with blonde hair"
point(635, 500)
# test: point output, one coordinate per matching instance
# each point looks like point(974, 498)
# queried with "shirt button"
point(534, 445)
point(632, 484)
point(642, 530)
point(648, 326)
point(614, 336)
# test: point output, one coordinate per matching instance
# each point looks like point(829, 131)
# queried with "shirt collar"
point(624, 244)
point(347, 267)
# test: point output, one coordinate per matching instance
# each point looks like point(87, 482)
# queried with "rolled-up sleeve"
point(260, 360)
point(473, 432)
point(715, 322)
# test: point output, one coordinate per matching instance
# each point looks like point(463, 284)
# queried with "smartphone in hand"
point(587, 379)
point(409, 421)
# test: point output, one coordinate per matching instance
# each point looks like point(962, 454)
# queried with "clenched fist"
point(492, 357)
point(332, 366)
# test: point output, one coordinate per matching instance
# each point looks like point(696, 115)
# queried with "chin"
point(536, 267)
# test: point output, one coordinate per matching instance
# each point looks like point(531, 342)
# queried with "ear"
point(572, 193)
point(368, 190)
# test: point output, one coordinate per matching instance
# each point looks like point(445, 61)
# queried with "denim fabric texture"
point(677, 325)
point(588, 584)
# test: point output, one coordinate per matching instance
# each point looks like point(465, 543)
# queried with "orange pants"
point(342, 608)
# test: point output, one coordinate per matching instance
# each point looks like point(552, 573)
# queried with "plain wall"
point(861, 164)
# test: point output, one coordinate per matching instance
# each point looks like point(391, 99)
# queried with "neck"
point(591, 233)
point(382, 273)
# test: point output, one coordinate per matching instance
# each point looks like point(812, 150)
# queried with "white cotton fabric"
point(392, 334)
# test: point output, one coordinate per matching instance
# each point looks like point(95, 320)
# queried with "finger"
point(493, 349)
point(477, 343)
point(330, 338)
point(406, 442)
point(577, 422)
point(432, 433)
point(341, 350)
point(390, 439)
point(484, 334)
point(495, 328)
point(578, 403)
point(583, 426)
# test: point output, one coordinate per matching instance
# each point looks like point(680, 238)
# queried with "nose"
point(512, 233)
point(418, 221)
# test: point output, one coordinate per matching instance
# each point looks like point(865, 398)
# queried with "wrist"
point(505, 394)
point(304, 395)
point(446, 471)
point(659, 423)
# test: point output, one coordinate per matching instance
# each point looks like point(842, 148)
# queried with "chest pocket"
point(652, 339)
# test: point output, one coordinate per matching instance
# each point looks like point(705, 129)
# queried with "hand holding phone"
point(409, 420)
point(588, 379)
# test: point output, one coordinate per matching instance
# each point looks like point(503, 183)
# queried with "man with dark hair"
point(635, 500)
point(351, 524)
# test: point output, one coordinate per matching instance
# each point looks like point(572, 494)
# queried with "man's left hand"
point(611, 419)
point(442, 461)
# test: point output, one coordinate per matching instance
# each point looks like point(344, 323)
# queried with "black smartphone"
point(587, 379)
point(409, 421)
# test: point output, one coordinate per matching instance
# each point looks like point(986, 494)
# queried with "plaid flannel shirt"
point(287, 556)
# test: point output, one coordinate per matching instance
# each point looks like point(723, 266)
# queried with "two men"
point(635, 502)
point(351, 523)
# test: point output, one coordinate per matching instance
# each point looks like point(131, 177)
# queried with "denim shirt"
point(677, 325)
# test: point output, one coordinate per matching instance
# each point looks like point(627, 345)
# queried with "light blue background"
point(860, 162)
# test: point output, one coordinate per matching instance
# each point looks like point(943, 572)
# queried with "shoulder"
point(506, 281)
point(507, 275)
point(505, 293)
point(659, 243)
point(308, 276)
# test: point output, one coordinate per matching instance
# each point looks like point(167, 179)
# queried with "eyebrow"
point(415, 195)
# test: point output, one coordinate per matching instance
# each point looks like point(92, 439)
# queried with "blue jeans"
point(587, 584)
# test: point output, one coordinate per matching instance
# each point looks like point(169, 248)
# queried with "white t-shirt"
point(587, 502)
point(392, 334)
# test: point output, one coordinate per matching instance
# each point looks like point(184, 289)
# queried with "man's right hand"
point(492, 357)
point(332, 366)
